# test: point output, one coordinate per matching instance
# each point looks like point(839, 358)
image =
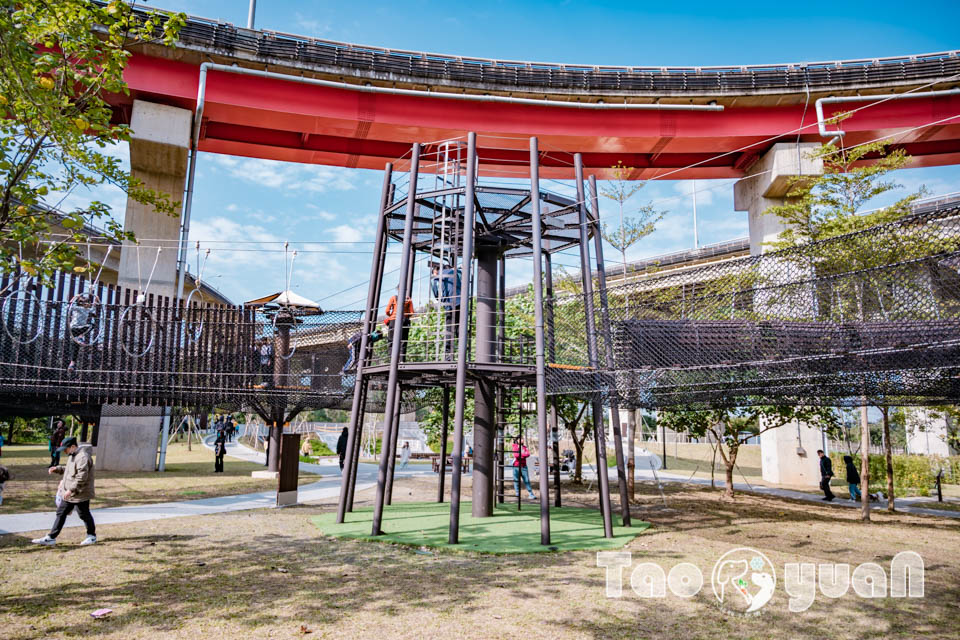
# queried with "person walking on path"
point(404, 455)
point(853, 478)
point(2, 442)
point(520, 455)
point(826, 473)
point(56, 439)
point(219, 450)
point(342, 446)
point(78, 482)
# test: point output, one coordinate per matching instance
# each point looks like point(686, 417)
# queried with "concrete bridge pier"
point(159, 144)
point(789, 453)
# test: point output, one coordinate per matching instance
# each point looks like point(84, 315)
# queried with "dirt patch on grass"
point(189, 475)
point(264, 573)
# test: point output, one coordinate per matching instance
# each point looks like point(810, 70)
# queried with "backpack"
point(4, 474)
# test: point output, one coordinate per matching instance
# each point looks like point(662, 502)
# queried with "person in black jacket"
point(826, 473)
point(219, 450)
point(853, 478)
point(342, 446)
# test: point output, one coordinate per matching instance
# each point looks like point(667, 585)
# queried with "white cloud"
point(311, 26)
point(292, 178)
point(347, 233)
point(704, 193)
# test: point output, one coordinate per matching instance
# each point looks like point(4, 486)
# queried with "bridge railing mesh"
point(874, 313)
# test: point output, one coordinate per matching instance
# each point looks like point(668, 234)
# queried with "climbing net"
point(870, 314)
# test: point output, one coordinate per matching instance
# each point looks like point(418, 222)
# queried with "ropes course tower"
point(464, 232)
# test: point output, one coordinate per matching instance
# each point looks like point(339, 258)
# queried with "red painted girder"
point(263, 117)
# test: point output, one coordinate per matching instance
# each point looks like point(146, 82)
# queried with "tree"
point(60, 60)
point(822, 207)
point(632, 229)
point(731, 428)
point(573, 414)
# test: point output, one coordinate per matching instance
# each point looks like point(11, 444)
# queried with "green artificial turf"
point(508, 531)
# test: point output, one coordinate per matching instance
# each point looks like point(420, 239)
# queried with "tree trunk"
point(888, 452)
point(631, 458)
point(713, 467)
point(864, 464)
point(578, 467)
point(728, 490)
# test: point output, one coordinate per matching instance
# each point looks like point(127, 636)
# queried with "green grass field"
point(425, 524)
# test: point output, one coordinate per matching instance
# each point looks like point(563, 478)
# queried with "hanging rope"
point(193, 307)
point(84, 312)
point(137, 322)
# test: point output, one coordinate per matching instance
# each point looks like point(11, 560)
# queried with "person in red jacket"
point(520, 455)
point(391, 318)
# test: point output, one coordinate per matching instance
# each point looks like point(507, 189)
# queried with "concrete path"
point(327, 487)
point(905, 505)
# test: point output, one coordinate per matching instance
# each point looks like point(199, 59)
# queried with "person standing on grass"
point(404, 455)
point(342, 446)
point(520, 455)
point(78, 481)
point(2, 442)
point(853, 478)
point(826, 474)
point(219, 450)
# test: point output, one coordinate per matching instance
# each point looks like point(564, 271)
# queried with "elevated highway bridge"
point(676, 122)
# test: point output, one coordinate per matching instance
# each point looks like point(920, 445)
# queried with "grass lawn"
point(271, 574)
point(189, 475)
point(508, 531)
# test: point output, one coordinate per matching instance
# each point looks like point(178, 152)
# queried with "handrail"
point(785, 76)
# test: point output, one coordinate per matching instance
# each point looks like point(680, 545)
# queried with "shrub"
point(910, 472)
point(320, 448)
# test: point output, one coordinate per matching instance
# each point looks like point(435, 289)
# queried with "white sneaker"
point(532, 497)
point(89, 540)
point(45, 540)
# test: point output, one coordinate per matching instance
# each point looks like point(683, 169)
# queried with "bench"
point(464, 464)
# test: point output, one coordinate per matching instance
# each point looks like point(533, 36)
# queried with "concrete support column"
point(788, 454)
point(159, 144)
point(927, 432)
point(158, 156)
point(484, 427)
point(766, 185)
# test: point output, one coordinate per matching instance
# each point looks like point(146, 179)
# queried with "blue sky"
point(245, 209)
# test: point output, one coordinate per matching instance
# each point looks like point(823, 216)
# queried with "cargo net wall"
point(871, 314)
point(73, 343)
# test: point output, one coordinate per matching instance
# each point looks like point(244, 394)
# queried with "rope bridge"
point(869, 314)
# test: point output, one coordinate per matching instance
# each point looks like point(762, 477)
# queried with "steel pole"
point(394, 437)
point(587, 278)
point(537, 244)
point(392, 386)
point(608, 348)
point(251, 14)
point(552, 356)
point(464, 339)
point(395, 428)
point(357, 440)
point(500, 388)
point(445, 415)
point(369, 319)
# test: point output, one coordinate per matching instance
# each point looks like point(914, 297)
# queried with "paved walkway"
point(905, 505)
point(327, 487)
